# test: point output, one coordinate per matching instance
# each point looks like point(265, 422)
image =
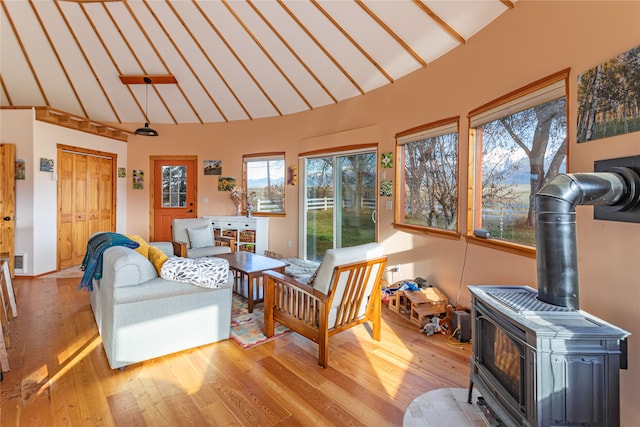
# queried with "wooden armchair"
point(195, 238)
point(345, 292)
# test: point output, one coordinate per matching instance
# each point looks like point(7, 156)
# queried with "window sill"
point(427, 231)
point(501, 245)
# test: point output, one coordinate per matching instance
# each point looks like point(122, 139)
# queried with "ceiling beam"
point(156, 79)
point(71, 121)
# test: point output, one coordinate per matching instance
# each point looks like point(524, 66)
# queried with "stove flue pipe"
point(556, 253)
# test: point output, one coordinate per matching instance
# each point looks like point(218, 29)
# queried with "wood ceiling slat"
point(237, 57)
point(213, 65)
point(510, 4)
point(187, 62)
point(267, 54)
point(57, 55)
point(164, 64)
point(24, 52)
point(392, 33)
point(292, 51)
point(440, 21)
point(321, 47)
point(107, 51)
point(355, 43)
point(5, 91)
point(88, 62)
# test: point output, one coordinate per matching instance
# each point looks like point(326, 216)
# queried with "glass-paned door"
point(339, 202)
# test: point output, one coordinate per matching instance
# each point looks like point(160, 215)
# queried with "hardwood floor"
point(60, 376)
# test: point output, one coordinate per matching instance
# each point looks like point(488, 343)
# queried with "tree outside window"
point(428, 184)
point(519, 146)
point(264, 177)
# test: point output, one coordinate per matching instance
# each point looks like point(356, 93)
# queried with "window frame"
point(489, 112)
point(256, 157)
point(429, 130)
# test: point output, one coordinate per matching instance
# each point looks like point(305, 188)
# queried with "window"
point(517, 145)
point(264, 182)
point(339, 201)
point(427, 188)
point(174, 186)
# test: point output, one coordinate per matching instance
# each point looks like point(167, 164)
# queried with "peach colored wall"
point(534, 40)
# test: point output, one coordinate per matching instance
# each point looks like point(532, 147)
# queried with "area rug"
point(246, 328)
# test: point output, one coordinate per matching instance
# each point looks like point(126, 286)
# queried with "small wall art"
point(122, 172)
point(213, 167)
point(386, 160)
point(226, 183)
point(292, 175)
point(386, 188)
point(46, 165)
point(20, 169)
point(138, 179)
point(605, 108)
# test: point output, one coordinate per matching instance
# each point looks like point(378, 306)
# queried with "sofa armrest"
point(126, 267)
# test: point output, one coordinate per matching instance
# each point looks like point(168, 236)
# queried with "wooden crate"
point(425, 303)
point(398, 303)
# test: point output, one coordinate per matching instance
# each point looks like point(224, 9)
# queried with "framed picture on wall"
point(138, 179)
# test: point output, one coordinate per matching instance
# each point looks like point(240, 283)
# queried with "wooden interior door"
point(7, 200)
point(85, 200)
point(174, 193)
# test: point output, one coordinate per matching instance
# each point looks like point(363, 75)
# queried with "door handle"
point(6, 218)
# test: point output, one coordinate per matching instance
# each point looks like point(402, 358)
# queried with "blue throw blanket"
point(92, 262)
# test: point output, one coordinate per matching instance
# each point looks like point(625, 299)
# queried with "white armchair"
point(195, 238)
point(346, 291)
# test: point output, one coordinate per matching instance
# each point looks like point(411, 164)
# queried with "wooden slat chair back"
point(352, 297)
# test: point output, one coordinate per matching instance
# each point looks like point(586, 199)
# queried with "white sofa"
point(141, 316)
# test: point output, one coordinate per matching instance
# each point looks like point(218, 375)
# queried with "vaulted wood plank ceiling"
point(219, 60)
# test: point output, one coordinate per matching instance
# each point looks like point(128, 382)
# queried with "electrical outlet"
point(289, 243)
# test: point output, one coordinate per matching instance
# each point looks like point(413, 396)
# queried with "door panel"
point(105, 197)
point(7, 201)
point(80, 224)
point(65, 208)
point(85, 201)
point(174, 194)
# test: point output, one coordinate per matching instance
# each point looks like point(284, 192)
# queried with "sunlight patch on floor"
point(391, 382)
point(71, 361)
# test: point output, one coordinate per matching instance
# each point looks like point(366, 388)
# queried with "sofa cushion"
point(210, 251)
point(157, 258)
point(200, 237)
point(205, 272)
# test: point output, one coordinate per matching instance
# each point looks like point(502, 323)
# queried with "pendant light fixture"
point(146, 130)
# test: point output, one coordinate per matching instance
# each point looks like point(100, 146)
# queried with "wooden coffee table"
point(247, 268)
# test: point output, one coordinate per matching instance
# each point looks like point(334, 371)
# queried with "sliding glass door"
point(339, 202)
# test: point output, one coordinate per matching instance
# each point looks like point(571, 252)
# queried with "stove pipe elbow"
point(556, 253)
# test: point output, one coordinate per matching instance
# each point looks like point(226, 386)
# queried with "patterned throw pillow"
point(200, 237)
point(157, 258)
point(207, 272)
